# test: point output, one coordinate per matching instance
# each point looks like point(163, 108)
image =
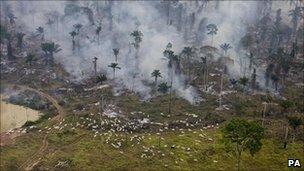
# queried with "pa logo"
point(294, 163)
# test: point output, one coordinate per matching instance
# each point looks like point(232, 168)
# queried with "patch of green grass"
point(176, 151)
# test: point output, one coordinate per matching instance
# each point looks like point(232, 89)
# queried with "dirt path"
point(9, 138)
point(60, 110)
point(36, 157)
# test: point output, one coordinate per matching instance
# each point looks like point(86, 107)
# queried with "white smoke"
point(231, 18)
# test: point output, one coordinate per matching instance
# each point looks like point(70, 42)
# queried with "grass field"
point(172, 150)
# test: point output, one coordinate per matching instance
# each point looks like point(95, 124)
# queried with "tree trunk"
point(170, 98)
point(220, 94)
point(286, 136)
point(188, 59)
point(207, 75)
point(155, 81)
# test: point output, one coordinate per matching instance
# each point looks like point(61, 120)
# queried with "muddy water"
point(14, 116)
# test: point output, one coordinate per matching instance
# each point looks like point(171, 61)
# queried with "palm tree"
point(156, 73)
point(40, 31)
point(73, 34)
point(30, 58)
point(98, 30)
point(163, 87)
point(137, 35)
point(101, 78)
point(114, 66)
point(20, 36)
point(168, 53)
point(116, 52)
point(212, 30)
point(225, 47)
point(188, 52)
point(49, 49)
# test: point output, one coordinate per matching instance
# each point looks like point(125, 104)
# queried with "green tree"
point(116, 52)
point(156, 73)
point(137, 35)
point(163, 87)
point(49, 49)
point(114, 66)
point(212, 30)
point(243, 135)
point(294, 122)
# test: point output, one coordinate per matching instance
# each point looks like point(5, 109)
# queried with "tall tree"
point(114, 66)
point(116, 52)
point(49, 49)
point(212, 30)
point(137, 36)
point(188, 52)
point(243, 135)
point(73, 34)
point(225, 47)
point(98, 30)
point(156, 73)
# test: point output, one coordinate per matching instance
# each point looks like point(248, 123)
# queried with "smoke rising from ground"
point(118, 19)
